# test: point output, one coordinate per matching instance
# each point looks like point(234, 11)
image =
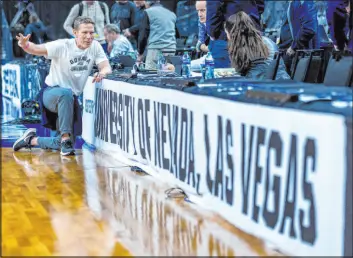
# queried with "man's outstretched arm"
point(31, 48)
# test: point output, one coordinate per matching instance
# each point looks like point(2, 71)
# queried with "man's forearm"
point(106, 70)
point(33, 49)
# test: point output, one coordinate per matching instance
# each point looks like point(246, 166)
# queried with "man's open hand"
point(98, 77)
point(22, 40)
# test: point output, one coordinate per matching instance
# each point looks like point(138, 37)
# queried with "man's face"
point(85, 35)
point(109, 37)
point(139, 3)
point(201, 10)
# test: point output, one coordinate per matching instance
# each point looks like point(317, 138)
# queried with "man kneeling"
point(72, 63)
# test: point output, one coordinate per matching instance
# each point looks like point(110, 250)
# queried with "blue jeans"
point(61, 101)
point(220, 54)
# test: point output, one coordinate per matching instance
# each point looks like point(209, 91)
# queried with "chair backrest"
point(300, 69)
point(191, 41)
point(126, 60)
point(314, 70)
point(307, 65)
point(180, 42)
point(273, 67)
point(339, 71)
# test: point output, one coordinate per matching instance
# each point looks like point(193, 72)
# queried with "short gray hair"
point(82, 20)
point(111, 28)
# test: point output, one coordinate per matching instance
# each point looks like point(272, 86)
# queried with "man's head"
point(201, 10)
point(111, 32)
point(84, 31)
point(140, 3)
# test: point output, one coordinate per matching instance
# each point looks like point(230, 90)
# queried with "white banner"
point(276, 173)
point(11, 83)
point(138, 208)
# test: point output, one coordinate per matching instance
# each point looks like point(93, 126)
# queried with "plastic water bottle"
point(160, 63)
point(6, 37)
point(186, 65)
point(209, 66)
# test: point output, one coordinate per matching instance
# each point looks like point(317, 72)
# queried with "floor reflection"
point(91, 205)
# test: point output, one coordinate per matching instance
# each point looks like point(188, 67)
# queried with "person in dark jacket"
point(218, 11)
point(260, 4)
point(337, 17)
point(122, 14)
point(303, 24)
point(284, 42)
point(202, 35)
point(285, 36)
point(134, 29)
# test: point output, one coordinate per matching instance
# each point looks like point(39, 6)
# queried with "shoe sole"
point(25, 134)
point(67, 153)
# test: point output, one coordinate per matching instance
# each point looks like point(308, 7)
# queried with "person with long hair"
point(217, 13)
point(250, 52)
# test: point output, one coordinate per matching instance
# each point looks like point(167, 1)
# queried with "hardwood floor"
point(91, 205)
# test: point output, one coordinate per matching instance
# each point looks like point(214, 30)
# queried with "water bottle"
point(6, 37)
point(186, 65)
point(160, 63)
point(209, 66)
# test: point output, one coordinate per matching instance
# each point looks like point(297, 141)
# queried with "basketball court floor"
point(92, 205)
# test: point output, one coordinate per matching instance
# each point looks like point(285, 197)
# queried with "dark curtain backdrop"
point(54, 13)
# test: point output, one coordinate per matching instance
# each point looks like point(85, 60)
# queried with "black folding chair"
point(273, 67)
point(339, 71)
point(307, 65)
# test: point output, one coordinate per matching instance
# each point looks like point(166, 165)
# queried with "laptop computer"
point(127, 61)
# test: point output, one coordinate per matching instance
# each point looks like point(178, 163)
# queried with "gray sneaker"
point(25, 140)
point(66, 148)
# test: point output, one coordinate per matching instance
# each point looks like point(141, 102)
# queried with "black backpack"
point(80, 10)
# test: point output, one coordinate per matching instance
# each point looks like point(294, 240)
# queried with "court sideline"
point(90, 204)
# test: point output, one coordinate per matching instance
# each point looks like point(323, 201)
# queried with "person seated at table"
point(217, 13)
point(118, 44)
point(250, 53)
point(201, 45)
